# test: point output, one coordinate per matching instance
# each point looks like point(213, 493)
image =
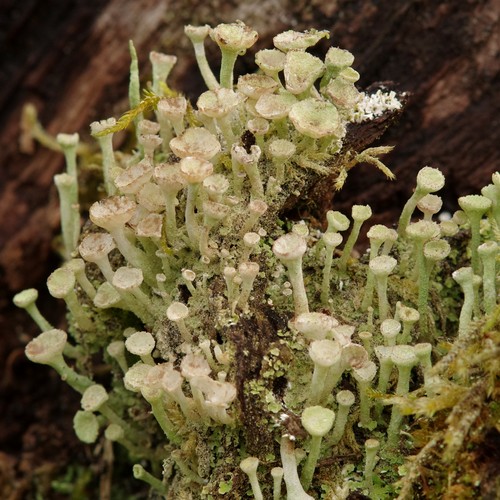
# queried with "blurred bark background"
point(70, 59)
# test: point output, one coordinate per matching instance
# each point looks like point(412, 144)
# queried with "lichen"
point(238, 360)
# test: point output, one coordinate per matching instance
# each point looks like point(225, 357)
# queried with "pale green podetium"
point(342, 91)
point(86, 426)
point(331, 241)
point(276, 107)
point(364, 376)
point(326, 355)
point(219, 106)
point(378, 235)
point(360, 214)
point(95, 399)
point(77, 266)
point(277, 475)
point(249, 162)
point(195, 171)
point(464, 277)
point(61, 285)
point(315, 119)
point(345, 399)
point(430, 205)
point(429, 180)
point(196, 142)
point(249, 467)
point(248, 272)
point(116, 350)
point(294, 488)
point(403, 356)
point(233, 40)
point(213, 214)
point(141, 344)
point(127, 281)
point(301, 70)
point(27, 300)
point(150, 386)
point(337, 222)
point(281, 151)
point(171, 181)
point(408, 317)
point(255, 210)
point(299, 41)
point(383, 354)
point(382, 267)
point(134, 88)
point(95, 248)
point(488, 252)
point(317, 421)
point(113, 214)
point(178, 312)
point(271, 62)
point(170, 113)
point(197, 35)
point(250, 245)
point(419, 233)
point(109, 168)
point(162, 65)
point(492, 191)
point(475, 206)
point(390, 328)
point(290, 249)
point(70, 212)
point(371, 448)
point(336, 60)
point(142, 474)
point(47, 349)
point(314, 325)
point(434, 251)
point(423, 352)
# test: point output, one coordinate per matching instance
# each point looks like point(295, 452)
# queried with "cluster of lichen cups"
point(194, 208)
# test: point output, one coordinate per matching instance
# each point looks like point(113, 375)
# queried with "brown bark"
point(71, 60)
